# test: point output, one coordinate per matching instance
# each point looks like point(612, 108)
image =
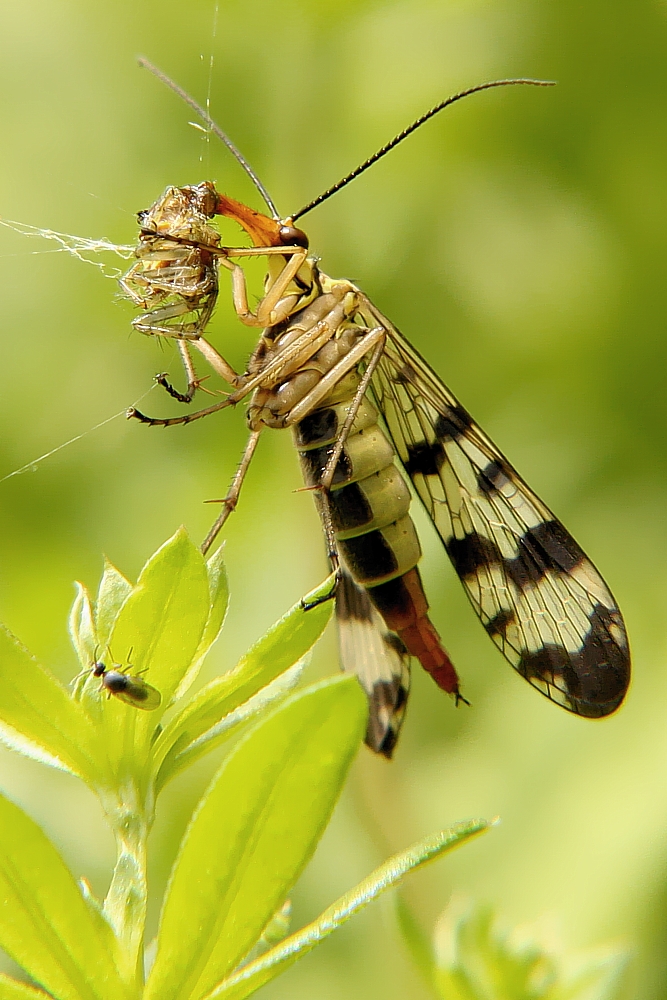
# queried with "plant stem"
point(130, 817)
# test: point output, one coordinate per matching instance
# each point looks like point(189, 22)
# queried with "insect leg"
point(156, 322)
point(267, 314)
point(126, 288)
point(324, 510)
point(245, 387)
point(374, 338)
point(230, 501)
point(309, 402)
point(219, 365)
point(281, 251)
point(217, 362)
point(135, 414)
point(330, 468)
point(193, 381)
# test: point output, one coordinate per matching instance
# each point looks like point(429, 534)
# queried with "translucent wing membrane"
point(540, 599)
point(377, 657)
point(139, 694)
point(538, 596)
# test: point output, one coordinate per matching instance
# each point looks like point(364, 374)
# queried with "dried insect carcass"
point(175, 279)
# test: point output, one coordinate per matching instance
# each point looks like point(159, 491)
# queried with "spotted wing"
point(538, 596)
point(378, 658)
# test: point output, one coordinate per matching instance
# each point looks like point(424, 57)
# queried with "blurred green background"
point(520, 241)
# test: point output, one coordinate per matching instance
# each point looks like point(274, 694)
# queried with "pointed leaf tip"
point(251, 977)
point(113, 591)
point(163, 618)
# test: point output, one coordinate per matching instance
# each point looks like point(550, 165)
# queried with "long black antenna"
point(206, 118)
point(411, 128)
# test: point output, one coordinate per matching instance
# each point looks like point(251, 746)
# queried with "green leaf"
point(185, 753)
point(12, 989)
point(478, 961)
point(284, 644)
point(160, 624)
point(218, 601)
point(113, 592)
point(256, 974)
point(82, 626)
point(253, 832)
point(163, 619)
point(45, 924)
point(39, 718)
point(278, 926)
point(276, 930)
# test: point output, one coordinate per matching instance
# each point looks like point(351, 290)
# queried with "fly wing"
point(377, 657)
point(539, 597)
point(139, 694)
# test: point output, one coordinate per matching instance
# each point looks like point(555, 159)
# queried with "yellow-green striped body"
point(369, 499)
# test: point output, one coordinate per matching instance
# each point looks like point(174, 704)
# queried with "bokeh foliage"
point(520, 242)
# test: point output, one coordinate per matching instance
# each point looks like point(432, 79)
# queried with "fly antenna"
point(411, 128)
point(208, 121)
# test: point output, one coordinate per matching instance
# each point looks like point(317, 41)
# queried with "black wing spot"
point(546, 663)
point(470, 553)
point(499, 624)
point(602, 665)
point(425, 459)
point(352, 601)
point(493, 477)
point(452, 424)
point(398, 646)
point(596, 676)
point(387, 700)
point(546, 546)
point(558, 544)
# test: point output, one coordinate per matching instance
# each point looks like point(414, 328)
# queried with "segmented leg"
point(323, 493)
point(321, 331)
point(134, 414)
point(334, 375)
point(229, 502)
point(193, 381)
point(268, 313)
point(217, 362)
point(324, 510)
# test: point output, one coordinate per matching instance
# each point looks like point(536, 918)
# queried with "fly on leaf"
point(130, 688)
point(367, 412)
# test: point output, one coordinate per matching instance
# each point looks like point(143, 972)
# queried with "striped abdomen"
point(369, 502)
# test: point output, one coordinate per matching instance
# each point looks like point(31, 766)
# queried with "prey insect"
point(367, 412)
point(130, 688)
